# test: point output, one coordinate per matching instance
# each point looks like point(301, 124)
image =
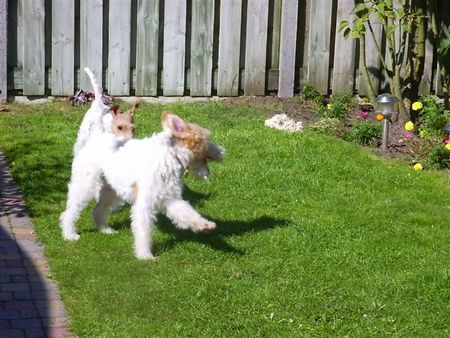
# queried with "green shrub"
point(366, 133)
point(433, 116)
point(439, 158)
point(312, 94)
point(337, 110)
point(329, 126)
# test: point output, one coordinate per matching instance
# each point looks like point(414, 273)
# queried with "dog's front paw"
point(71, 236)
point(207, 226)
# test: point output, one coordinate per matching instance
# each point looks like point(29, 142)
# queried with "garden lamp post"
point(386, 106)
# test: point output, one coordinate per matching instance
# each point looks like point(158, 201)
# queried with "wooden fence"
point(185, 47)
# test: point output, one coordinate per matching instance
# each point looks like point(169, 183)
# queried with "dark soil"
point(304, 111)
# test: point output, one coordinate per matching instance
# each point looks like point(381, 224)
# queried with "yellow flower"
point(417, 167)
point(329, 106)
point(417, 106)
point(409, 126)
point(423, 133)
point(380, 117)
point(447, 146)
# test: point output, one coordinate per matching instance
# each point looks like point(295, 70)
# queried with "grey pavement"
point(30, 302)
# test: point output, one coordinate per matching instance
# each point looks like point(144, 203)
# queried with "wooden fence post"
point(319, 44)
point(119, 47)
point(3, 50)
point(256, 47)
point(63, 47)
point(289, 19)
point(344, 52)
point(91, 41)
point(202, 47)
point(33, 18)
point(147, 50)
point(229, 47)
point(174, 47)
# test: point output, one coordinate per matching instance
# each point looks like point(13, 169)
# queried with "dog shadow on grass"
point(217, 239)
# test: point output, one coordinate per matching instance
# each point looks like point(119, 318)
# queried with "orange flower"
point(380, 117)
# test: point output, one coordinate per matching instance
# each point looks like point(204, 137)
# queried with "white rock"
point(283, 122)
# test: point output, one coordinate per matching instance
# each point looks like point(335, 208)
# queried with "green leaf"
point(347, 32)
point(356, 34)
point(359, 8)
point(343, 25)
point(381, 18)
point(389, 29)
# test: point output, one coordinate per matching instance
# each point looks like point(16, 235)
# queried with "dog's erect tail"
point(95, 86)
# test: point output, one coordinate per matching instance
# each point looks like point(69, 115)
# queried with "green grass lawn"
point(315, 237)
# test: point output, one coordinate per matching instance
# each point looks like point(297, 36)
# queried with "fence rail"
point(185, 47)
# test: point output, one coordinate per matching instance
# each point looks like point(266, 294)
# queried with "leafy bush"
point(338, 110)
point(439, 158)
point(433, 116)
point(312, 94)
point(329, 126)
point(366, 133)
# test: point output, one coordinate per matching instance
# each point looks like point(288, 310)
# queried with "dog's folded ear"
point(115, 110)
point(173, 123)
point(215, 152)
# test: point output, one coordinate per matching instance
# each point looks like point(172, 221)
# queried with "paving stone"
point(4, 324)
point(31, 313)
point(12, 334)
point(9, 314)
point(26, 323)
point(19, 305)
point(14, 287)
point(6, 295)
point(23, 295)
point(35, 333)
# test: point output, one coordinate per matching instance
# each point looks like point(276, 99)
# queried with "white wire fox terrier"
point(101, 118)
point(147, 173)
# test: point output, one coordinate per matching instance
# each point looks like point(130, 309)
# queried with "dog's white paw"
point(107, 230)
point(207, 226)
point(147, 256)
point(71, 236)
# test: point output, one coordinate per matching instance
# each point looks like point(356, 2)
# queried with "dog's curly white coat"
point(146, 173)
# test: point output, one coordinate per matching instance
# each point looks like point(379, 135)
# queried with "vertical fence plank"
point(174, 47)
point(344, 52)
point(91, 40)
point(256, 47)
point(3, 49)
point(275, 55)
point(288, 47)
point(438, 81)
point(229, 47)
point(63, 31)
point(33, 16)
point(119, 47)
point(202, 47)
point(319, 44)
point(147, 47)
point(425, 82)
point(372, 61)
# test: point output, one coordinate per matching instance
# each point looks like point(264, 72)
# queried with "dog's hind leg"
point(185, 217)
point(81, 191)
point(107, 202)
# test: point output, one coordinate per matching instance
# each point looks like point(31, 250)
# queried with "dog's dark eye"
point(120, 128)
